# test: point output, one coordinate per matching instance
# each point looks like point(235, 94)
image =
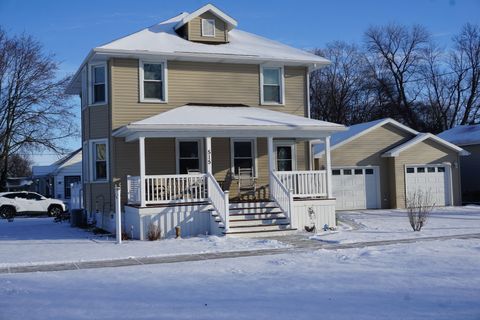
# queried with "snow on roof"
point(50, 169)
point(462, 135)
point(162, 39)
point(231, 23)
point(357, 130)
point(422, 137)
point(224, 118)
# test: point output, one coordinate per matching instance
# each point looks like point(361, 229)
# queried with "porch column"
point(328, 164)
point(141, 145)
point(208, 154)
point(271, 163)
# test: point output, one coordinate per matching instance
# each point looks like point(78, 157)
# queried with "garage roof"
point(422, 137)
point(356, 131)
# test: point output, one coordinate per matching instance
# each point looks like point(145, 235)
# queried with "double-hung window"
point(188, 156)
point(272, 85)
point(208, 27)
point(98, 80)
point(243, 154)
point(99, 160)
point(153, 81)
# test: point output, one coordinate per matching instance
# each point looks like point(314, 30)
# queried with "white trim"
point(363, 132)
point(164, 80)
point(285, 143)
point(231, 23)
point(91, 160)
point(202, 27)
point(85, 162)
point(282, 85)
point(84, 92)
point(90, 83)
point(254, 155)
point(201, 162)
point(395, 152)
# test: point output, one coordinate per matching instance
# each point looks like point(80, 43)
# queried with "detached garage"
point(380, 163)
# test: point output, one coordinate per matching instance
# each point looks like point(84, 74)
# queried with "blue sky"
point(69, 29)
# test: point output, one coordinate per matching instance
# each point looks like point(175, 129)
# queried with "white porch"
point(160, 197)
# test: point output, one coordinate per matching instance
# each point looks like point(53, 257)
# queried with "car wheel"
point(54, 211)
point(7, 212)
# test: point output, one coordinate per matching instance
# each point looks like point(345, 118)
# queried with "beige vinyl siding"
point(96, 122)
point(367, 150)
point(199, 82)
point(195, 29)
point(425, 152)
point(470, 172)
point(98, 197)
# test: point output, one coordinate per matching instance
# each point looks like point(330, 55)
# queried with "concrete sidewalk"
point(299, 243)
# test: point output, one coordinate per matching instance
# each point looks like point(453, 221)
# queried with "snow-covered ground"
point(39, 240)
point(427, 280)
point(374, 225)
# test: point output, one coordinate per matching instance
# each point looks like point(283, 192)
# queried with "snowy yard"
point(431, 280)
point(39, 240)
point(423, 280)
point(375, 225)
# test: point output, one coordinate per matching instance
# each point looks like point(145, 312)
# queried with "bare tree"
point(34, 109)
point(395, 55)
point(19, 166)
point(340, 92)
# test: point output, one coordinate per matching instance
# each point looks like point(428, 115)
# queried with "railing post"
point(208, 151)
point(118, 214)
point(293, 222)
point(141, 144)
point(226, 195)
point(128, 189)
point(271, 162)
point(328, 168)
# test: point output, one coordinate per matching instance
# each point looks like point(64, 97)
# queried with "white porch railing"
point(282, 196)
point(219, 199)
point(168, 188)
point(304, 184)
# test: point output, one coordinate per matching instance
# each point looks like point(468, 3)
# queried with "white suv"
point(31, 202)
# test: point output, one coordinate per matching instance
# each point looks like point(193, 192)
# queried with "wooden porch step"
point(258, 222)
point(261, 227)
point(245, 205)
point(259, 233)
point(257, 216)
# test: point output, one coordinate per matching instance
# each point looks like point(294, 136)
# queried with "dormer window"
point(208, 27)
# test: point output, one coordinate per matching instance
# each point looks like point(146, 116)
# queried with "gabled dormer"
point(207, 24)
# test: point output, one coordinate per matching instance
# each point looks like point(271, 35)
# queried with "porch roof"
point(227, 121)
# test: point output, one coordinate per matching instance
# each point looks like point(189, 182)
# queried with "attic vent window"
point(208, 27)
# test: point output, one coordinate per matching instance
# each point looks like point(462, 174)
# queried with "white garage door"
point(355, 188)
point(432, 181)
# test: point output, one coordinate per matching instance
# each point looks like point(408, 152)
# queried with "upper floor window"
point(208, 27)
point(153, 81)
point(272, 85)
point(98, 82)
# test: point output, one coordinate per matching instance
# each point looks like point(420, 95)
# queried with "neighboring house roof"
point(217, 120)
point(422, 137)
point(57, 165)
point(162, 40)
point(231, 23)
point(462, 135)
point(356, 131)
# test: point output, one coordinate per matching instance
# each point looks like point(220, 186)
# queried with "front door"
point(285, 156)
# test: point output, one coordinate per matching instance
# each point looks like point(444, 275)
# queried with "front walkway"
point(299, 243)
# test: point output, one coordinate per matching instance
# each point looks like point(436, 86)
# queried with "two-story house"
point(203, 126)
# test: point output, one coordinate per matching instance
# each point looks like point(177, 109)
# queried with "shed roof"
point(462, 135)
